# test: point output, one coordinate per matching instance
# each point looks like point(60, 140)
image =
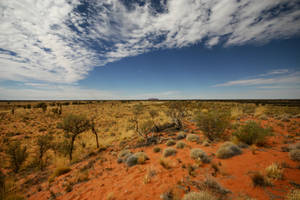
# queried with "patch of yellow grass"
point(274, 171)
point(259, 111)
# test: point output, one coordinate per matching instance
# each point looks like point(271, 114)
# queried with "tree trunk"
point(72, 146)
point(96, 135)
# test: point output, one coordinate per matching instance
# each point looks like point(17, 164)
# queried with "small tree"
point(176, 113)
point(213, 124)
point(44, 144)
point(17, 155)
point(73, 125)
point(42, 105)
point(144, 129)
point(153, 114)
point(94, 130)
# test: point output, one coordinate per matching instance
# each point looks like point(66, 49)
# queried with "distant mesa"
point(153, 99)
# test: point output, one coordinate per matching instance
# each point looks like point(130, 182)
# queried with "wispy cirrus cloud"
point(274, 79)
point(60, 41)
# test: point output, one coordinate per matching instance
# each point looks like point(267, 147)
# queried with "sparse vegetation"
point(170, 151)
point(202, 195)
point(165, 163)
point(293, 195)
point(259, 179)
point(228, 150)
point(17, 154)
point(199, 154)
point(44, 143)
point(156, 149)
point(58, 172)
point(295, 155)
point(213, 124)
point(180, 145)
point(170, 142)
point(274, 171)
point(193, 138)
point(252, 133)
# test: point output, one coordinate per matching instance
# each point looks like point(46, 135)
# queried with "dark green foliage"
point(17, 154)
point(252, 133)
point(73, 125)
point(213, 124)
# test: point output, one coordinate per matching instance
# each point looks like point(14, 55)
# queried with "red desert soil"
point(110, 180)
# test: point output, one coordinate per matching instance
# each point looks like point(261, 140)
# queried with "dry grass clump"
point(259, 179)
point(198, 154)
point(137, 158)
point(170, 151)
point(156, 149)
point(180, 145)
point(202, 195)
point(58, 172)
point(293, 195)
point(123, 155)
point(193, 138)
point(295, 155)
point(180, 136)
point(274, 171)
point(211, 184)
point(165, 163)
point(228, 150)
point(170, 142)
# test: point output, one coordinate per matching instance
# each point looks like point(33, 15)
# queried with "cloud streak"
point(277, 78)
point(60, 41)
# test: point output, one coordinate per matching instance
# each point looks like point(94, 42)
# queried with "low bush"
point(17, 155)
point(193, 138)
point(252, 133)
point(165, 163)
point(295, 155)
point(170, 142)
point(213, 124)
point(169, 152)
point(137, 158)
point(180, 145)
point(258, 179)
point(198, 154)
point(202, 195)
point(180, 136)
point(156, 149)
point(131, 160)
point(228, 150)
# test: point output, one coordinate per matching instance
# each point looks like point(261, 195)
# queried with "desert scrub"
point(170, 142)
point(202, 195)
point(274, 171)
point(213, 124)
point(17, 155)
point(169, 152)
point(180, 136)
point(123, 155)
point(252, 133)
point(165, 163)
point(58, 172)
point(193, 138)
point(293, 195)
point(156, 149)
point(180, 145)
point(295, 155)
point(137, 158)
point(198, 154)
point(228, 150)
point(259, 179)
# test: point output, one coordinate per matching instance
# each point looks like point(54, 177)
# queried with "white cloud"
point(284, 79)
point(38, 43)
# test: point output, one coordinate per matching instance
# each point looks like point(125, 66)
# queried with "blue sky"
point(175, 49)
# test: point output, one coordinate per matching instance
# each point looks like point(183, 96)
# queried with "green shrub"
point(73, 125)
point(169, 152)
point(180, 145)
point(17, 155)
point(213, 124)
point(198, 154)
point(193, 138)
point(137, 158)
point(228, 150)
point(252, 133)
point(202, 195)
point(295, 155)
point(170, 142)
point(156, 149)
